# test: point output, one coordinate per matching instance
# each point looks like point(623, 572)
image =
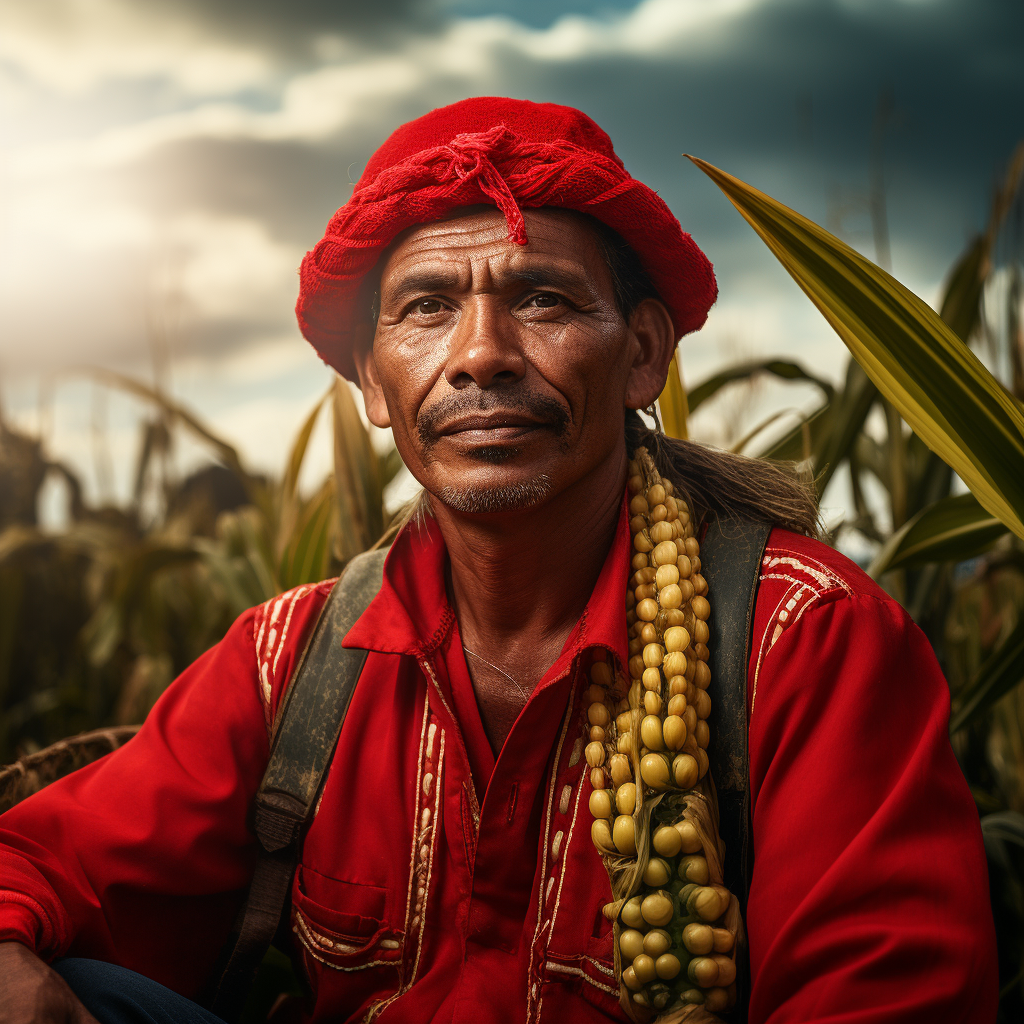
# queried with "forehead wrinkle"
point(425, 281)
point(500, 277)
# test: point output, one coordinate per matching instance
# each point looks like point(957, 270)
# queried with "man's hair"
point(631, 281)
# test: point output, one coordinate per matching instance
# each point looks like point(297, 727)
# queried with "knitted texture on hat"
point(512, 154)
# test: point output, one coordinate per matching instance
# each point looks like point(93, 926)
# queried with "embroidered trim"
point(809, 579)
point(532, 1013)
point(565, 859)
point(337, 967)
point(566, 969)
point(270, 637)
point(820, 573)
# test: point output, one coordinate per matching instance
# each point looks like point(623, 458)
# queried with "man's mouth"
point(491, 428)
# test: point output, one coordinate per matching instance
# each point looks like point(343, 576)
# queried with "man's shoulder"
point(799, 575)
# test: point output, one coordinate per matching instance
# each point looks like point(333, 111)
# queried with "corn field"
point(97, 619)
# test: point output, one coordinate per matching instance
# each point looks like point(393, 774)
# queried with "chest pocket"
point(348, 946)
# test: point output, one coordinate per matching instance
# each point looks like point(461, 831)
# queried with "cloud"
point(250, 149)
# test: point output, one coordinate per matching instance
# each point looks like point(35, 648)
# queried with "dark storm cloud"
point(292, 27)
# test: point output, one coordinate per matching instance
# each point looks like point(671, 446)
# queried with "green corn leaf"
point(764, 424)
point(965, 285)
point(851, 410)
point(800, 442)
point(227, 453)
point(290, 483)
point(1005, 825)
point(914, 359)
point(1001, 671)
point(391, 465)
point(785, 369)
point(289, 502)
point(306, 558)
point(953, 529)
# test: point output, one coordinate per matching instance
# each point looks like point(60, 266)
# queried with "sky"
point(164, 165)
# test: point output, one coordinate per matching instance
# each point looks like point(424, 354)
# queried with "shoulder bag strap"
point(731, 561)
point(305, 735)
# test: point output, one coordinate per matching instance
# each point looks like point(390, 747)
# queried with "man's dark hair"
point(715, 483)
point(631, 281)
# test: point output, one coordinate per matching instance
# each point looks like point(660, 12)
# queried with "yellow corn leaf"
point(672, 403)
point(914, 359)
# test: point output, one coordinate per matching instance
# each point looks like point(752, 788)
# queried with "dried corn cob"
point(655, 821)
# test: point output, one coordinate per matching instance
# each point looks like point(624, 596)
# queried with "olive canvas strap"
point(731, 555)
point(307, 731)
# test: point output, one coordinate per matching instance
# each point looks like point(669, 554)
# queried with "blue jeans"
point(115, 995)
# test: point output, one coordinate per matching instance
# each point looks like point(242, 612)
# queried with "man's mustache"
point(513, 399)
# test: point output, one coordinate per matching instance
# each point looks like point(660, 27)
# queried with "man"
point(526, 295)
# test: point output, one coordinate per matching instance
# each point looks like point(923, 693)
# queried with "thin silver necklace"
point(501, 671)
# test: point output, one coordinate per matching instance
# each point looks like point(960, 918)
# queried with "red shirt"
point(439, 883)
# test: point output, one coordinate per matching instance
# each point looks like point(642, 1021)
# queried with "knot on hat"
point(496, 166)
point(470, 159)
point(521, 155)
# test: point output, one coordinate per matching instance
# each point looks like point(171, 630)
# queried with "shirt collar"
point(411, 614)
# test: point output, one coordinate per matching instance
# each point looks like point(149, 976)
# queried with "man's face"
point(504, 370)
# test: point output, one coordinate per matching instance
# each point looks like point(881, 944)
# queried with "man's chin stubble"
point(502, 498)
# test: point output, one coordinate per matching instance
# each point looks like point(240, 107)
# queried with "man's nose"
point(485, 346)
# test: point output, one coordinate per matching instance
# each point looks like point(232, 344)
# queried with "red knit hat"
point(508, 153)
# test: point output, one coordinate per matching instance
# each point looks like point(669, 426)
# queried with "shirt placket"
point(518, 832)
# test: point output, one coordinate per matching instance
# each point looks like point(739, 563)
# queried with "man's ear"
point(652, 328)
point(369, 382)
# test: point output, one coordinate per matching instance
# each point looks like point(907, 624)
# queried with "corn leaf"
point(914, 358)
point(799, 443)
point(391, 465)
point(782, 368)
point(1001, 671)
point(1005, 825)
point(305, 559)
point(953, 529)
point(965, 285)
point(290, 483)
point(358, 489)
point(675, 412)
point(764, 424)
point(851, 410)
point(288, 500)
point(227, 453)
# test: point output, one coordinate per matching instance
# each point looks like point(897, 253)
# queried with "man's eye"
point(545, 301)
point(428, 306)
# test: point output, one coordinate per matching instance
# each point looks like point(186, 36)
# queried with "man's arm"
point(142, 857)
point(869, 900)
point(34, 993)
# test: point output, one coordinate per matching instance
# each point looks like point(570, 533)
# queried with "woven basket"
point(31, 773)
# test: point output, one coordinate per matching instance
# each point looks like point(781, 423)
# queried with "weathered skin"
point(468, 319)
